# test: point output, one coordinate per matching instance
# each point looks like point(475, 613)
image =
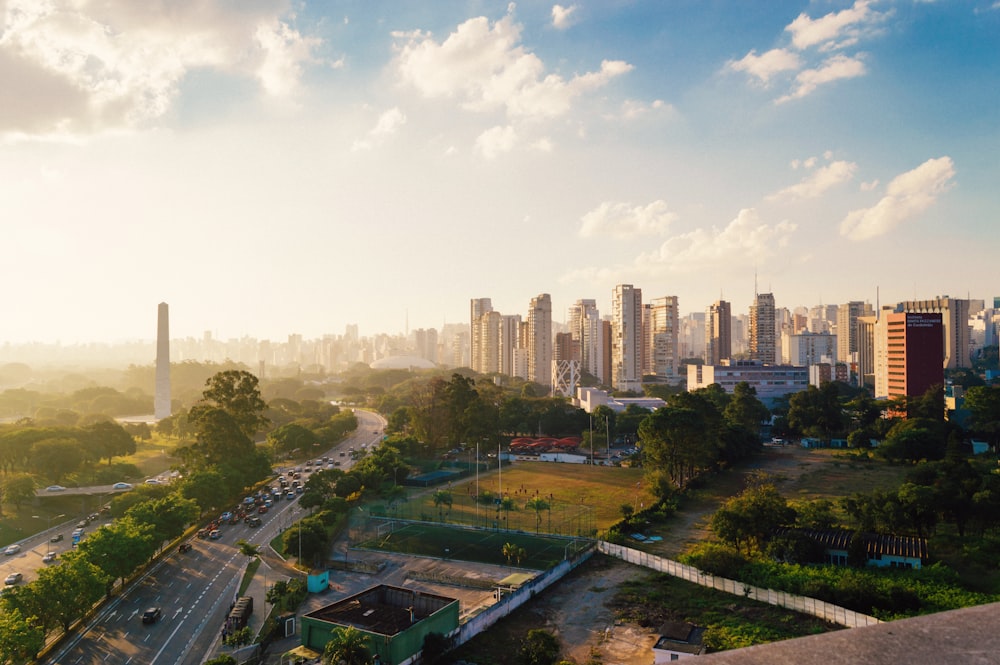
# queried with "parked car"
point(13, 578)
point(12, 549)
point(49, 557)
point(152, 615)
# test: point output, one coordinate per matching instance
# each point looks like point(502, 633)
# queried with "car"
point(184, 547)
point(49, 557)
point(56, 538)
point(12, 549)
point(152, 481)
point(261, 510)
point(215, 534)
point(152, 615)
point(55, 488)
point(122, 486)
point(290, 496)
point(299, 489)
point(13, 578)
point(253, 522)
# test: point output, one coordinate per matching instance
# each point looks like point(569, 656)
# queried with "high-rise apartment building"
point(955, 321)
point(478, 327)
point(718, 332)
point(584, 326)
point(540, 339)
point(510, 325)
point(762, 338)
point(847, 332)
point(913, 352)
point(661, 327)
point(626, 338)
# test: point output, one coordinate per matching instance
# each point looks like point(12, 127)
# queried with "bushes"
point(716, 559)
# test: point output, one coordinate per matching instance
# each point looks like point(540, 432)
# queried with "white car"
point(55, 488)
point(49, 557)
point(13, 578)
point(12, 549)
point(122, 486)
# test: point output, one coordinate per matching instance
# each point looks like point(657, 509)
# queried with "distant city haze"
point(270, 169)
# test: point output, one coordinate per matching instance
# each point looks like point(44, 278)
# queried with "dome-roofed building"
point(402, 362)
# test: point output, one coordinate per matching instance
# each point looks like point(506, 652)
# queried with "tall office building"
point(847, 335)
point(909, 354)
point(763, 340)
point(540, 340)
point(626, 338)
point(161, 400)
point(478, 327)
point(663, 352)
point(585, 326)
point(718, 332)
point(510, 325)
point(955, 321)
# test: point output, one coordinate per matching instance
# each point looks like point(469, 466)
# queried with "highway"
point(193, 588)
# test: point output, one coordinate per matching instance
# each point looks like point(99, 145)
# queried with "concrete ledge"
point(969, 636)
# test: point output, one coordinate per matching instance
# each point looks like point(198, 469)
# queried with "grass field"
point(583, 500)
point(466, 544)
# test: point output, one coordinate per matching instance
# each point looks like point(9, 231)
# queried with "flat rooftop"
point(383, 609)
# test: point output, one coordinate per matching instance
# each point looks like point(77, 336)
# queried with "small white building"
point(678, 639)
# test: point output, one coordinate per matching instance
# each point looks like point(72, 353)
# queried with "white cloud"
point(283, 50)
point(744, 241)
point(563, 17)
point(833, 69)
point(388, 123)
point(908, 194)
point(633, 108)
point(817, 182)
point(765, 66)
point(836, 29)
point(77, 67)
point(486, 68)
point(497, 140)
point(869, 186)
point(620, 220)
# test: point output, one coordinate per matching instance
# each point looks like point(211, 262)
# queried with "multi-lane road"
point(194, 589)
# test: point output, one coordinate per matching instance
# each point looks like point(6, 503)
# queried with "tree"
point(120, 547)
point(17, 489)
point(745, 409)
point(68, 590)
point(347, 646)
point(816, 411)
point(538, 504)
point(509, 550)
point(107, 439)
point(984, 404)
point(206, 486)
point(236, 392)
point(238, 638)
point(291, 437)
point(168, 515)
point(539, 647)
point(752, 517)
point(436, 645)
point(57, 457)
point(21, 638)
point(249, 550)
point(308, 536)
point(443, 498)
point(224, 659)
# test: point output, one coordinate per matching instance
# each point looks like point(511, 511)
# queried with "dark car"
point(253, 522)
point(152, 615)
point(184, 547)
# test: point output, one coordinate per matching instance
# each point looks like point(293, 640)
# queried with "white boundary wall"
point(817, 608)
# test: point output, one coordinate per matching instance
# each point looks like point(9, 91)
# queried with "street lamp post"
point(48, 525)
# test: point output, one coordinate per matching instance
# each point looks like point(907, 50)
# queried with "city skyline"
point(278, 169)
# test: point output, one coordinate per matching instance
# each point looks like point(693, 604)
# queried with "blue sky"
point(272, 167)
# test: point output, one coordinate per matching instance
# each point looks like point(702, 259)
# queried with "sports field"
point(523, 550)
point(538, 497)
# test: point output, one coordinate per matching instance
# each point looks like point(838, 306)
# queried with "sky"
point(271, 168)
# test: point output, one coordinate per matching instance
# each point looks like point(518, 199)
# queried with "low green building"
point(395, 619)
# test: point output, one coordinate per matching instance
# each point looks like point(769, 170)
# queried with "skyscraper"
point(585, 326)
point(913, 354)
point(718, 332)
point(478, 307)
point(161, 399)
point(662, 351)
point(626, 338)
point(763, 341)
point(955, 321)
point(540, 340)
point(847, 332)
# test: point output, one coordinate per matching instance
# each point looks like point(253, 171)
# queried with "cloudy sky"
point(270, 167)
